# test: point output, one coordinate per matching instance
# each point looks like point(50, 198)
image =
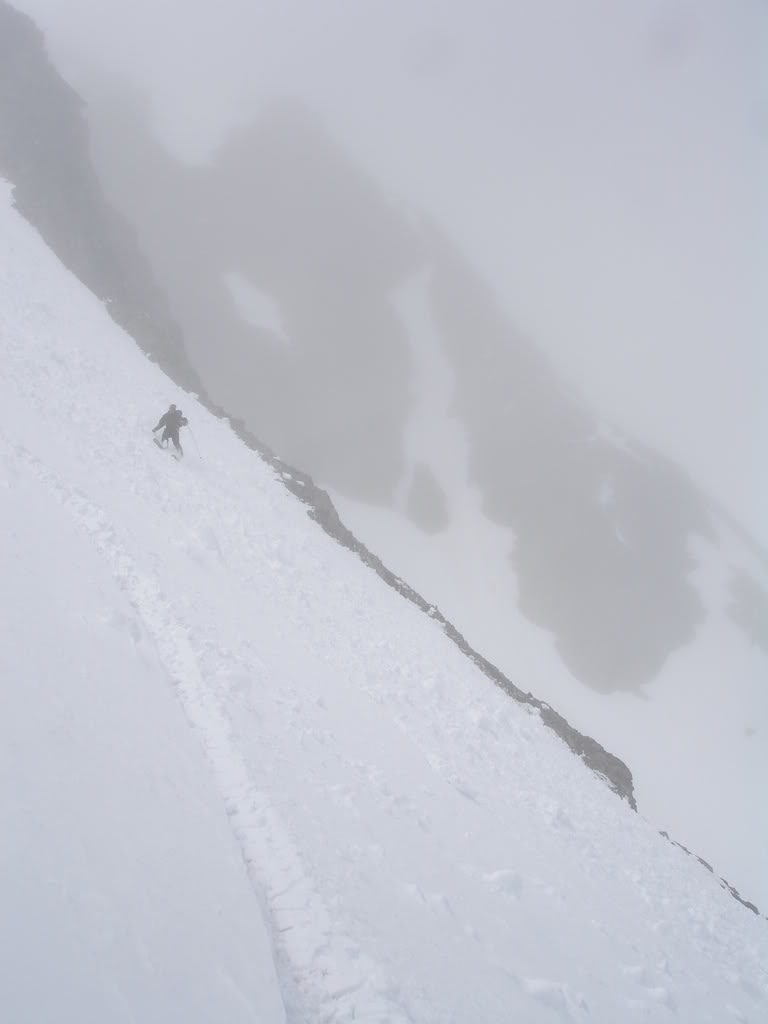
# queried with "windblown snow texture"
point(242, 779)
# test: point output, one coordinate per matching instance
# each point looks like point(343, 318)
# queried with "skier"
point(172, 421)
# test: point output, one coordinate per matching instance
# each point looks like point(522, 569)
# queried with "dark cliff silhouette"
point(599, 525)
point(44, 153)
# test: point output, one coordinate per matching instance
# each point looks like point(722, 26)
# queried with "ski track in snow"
point(335, 980)
point(424, 850)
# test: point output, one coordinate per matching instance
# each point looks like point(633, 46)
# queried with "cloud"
point(601, 164)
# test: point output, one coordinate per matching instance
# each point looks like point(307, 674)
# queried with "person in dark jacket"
point(172, 422)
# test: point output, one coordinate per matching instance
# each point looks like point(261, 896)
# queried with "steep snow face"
point(227, 745)
point(374, 356)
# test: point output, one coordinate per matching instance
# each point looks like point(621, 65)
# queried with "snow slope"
point(226, 745)
point(124, 895)
point(694, 736)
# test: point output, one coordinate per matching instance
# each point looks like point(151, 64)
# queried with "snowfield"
point(243, 780)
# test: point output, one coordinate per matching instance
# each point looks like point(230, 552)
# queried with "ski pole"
point(197, 446)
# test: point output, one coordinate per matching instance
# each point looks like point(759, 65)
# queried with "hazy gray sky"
point(602, 163)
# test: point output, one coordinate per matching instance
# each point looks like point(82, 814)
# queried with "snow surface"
point(242, 779)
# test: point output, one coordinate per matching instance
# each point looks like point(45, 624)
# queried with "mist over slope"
point(423, 849)
point(284, 264)
point(355, 338)
point(93, 245)
point(601, 165)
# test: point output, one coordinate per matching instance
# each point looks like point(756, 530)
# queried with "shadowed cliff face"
point(280, 222)
point(601, 523)
point(44, 153)
point(282, 261)
point(316, 236)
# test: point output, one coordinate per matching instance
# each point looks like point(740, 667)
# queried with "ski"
point(164, 448)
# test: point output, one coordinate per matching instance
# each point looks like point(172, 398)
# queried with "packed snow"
point(242, 779)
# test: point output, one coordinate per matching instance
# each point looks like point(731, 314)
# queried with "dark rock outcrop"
point(723, 883)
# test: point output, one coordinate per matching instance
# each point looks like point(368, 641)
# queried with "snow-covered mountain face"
point(364, 348)
point(244, 780)
point(356, 340)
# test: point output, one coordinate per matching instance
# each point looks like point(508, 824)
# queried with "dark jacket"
point(172, 421)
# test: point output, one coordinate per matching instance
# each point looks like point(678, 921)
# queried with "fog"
point(491, 275)
point(600, 164)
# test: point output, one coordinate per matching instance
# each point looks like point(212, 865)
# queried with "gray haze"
point(601, 164)
point(285, 213)
point(601, 525)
